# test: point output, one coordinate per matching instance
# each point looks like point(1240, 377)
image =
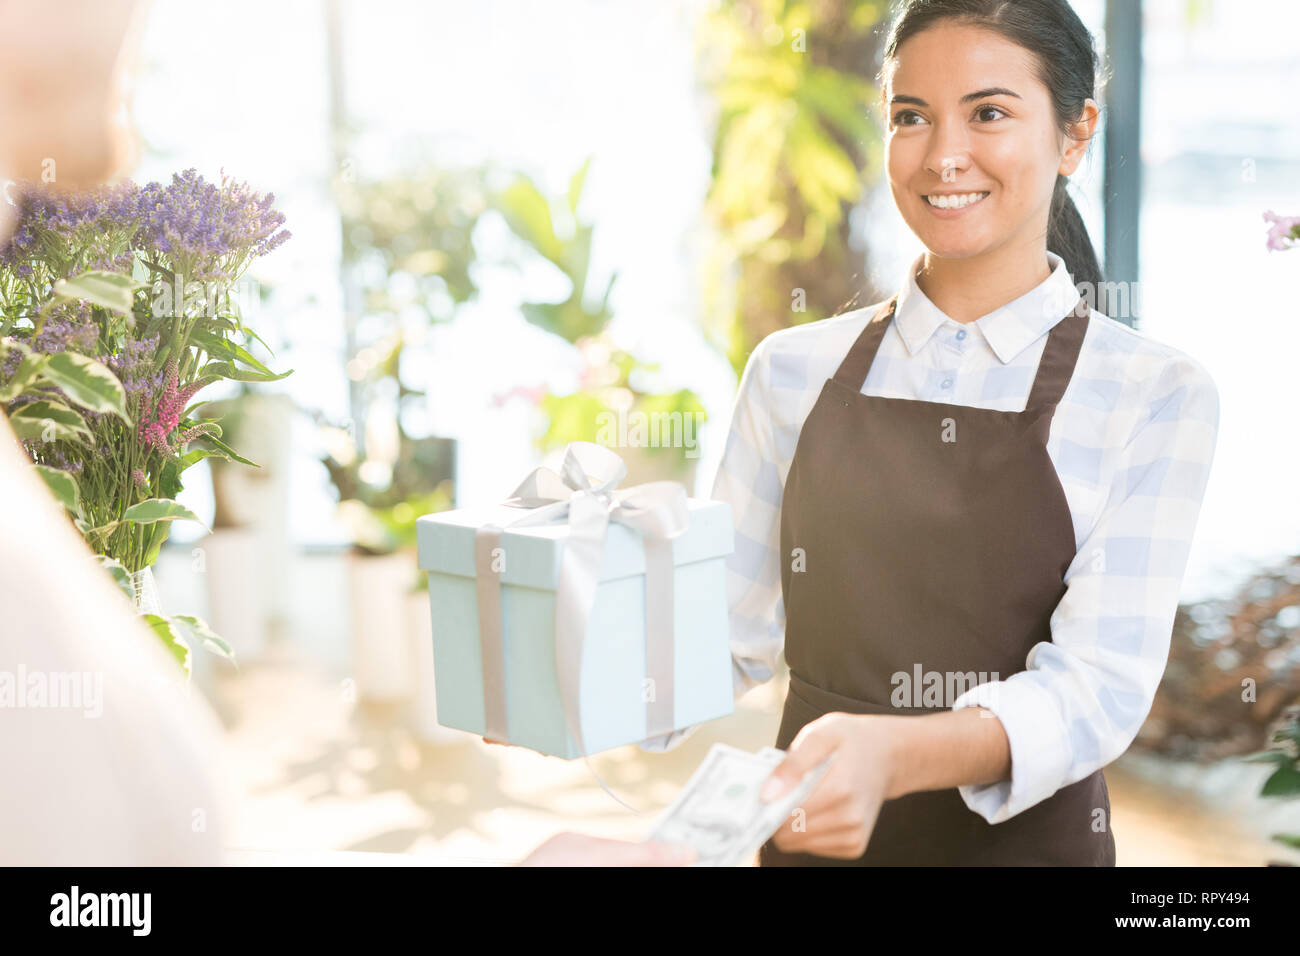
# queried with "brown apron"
point(922, 537)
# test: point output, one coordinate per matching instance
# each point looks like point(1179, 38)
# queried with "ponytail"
point(1068, 237)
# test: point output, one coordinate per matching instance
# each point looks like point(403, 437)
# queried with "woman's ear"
point(1080, 134)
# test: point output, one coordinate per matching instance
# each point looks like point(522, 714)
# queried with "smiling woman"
point(1022, 507)
point(980, 150)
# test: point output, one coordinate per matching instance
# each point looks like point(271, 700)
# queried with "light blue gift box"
point(613, 670)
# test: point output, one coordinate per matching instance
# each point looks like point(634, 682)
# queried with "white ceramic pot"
point(232, 562)
point(383, 663)
point(258, 498)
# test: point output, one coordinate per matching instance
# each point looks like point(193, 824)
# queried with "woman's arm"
point(1084, 694)
point(939, 751)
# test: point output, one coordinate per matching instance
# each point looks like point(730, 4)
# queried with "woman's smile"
point(951, 205)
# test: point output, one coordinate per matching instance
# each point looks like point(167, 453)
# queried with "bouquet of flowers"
point(117, 306)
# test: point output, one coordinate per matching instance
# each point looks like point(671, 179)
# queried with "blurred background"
point(508, 216)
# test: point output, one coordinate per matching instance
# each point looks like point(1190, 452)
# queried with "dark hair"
point(1067, 65)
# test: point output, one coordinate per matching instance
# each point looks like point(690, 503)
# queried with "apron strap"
point(1056, 367)
point(853, 370)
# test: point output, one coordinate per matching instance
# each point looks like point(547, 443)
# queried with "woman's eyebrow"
point(969, 97)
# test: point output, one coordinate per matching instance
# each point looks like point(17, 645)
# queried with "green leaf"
point(63, 485)
point(528, 213)
point(219, 323)
point(213, 642)
point(109, 290)
point(219, 347)
point(229, 371)
point(169, 480)
point(228, 451)
point(159, 509)
point(175, 644)
point(575, 185)
point(270, 351)
point(120, 575)
point(156, 267)
point(88, 383)
point(1290, 839)
point(1283, 782)
point(198, 454)
point(48, 419)
point(1289, 731)
point(153, 545)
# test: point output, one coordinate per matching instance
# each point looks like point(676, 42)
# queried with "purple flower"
point(214, 229)
point(89, 229)
point(134, 368)
point(69, 327)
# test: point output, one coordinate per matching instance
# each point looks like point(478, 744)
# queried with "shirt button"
point(947, 383)
point(961, 333)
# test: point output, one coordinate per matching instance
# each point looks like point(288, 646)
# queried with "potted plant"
point(614, 404)
point(379, 502)
point(116, 309)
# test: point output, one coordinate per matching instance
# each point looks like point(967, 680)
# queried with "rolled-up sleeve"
point(750, 480)
point(1084, 695)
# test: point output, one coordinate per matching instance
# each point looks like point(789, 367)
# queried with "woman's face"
point(970, 126)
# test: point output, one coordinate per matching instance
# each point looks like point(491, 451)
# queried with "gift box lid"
point(446, 543)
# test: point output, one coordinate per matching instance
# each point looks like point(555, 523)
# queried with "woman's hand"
point(837, 818)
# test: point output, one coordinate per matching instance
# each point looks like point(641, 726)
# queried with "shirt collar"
point(1008, 330)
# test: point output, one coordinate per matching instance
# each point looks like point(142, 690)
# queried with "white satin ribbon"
point(585, 494)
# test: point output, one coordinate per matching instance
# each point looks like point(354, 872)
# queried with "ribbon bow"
point(585, 494)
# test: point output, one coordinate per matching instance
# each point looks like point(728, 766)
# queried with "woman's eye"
point(904, 117)
point(983, 110)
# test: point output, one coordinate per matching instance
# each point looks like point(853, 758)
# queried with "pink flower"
point(156, 432)
point(1284, 232)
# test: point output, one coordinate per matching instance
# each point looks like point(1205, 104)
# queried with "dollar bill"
point(719, 812)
